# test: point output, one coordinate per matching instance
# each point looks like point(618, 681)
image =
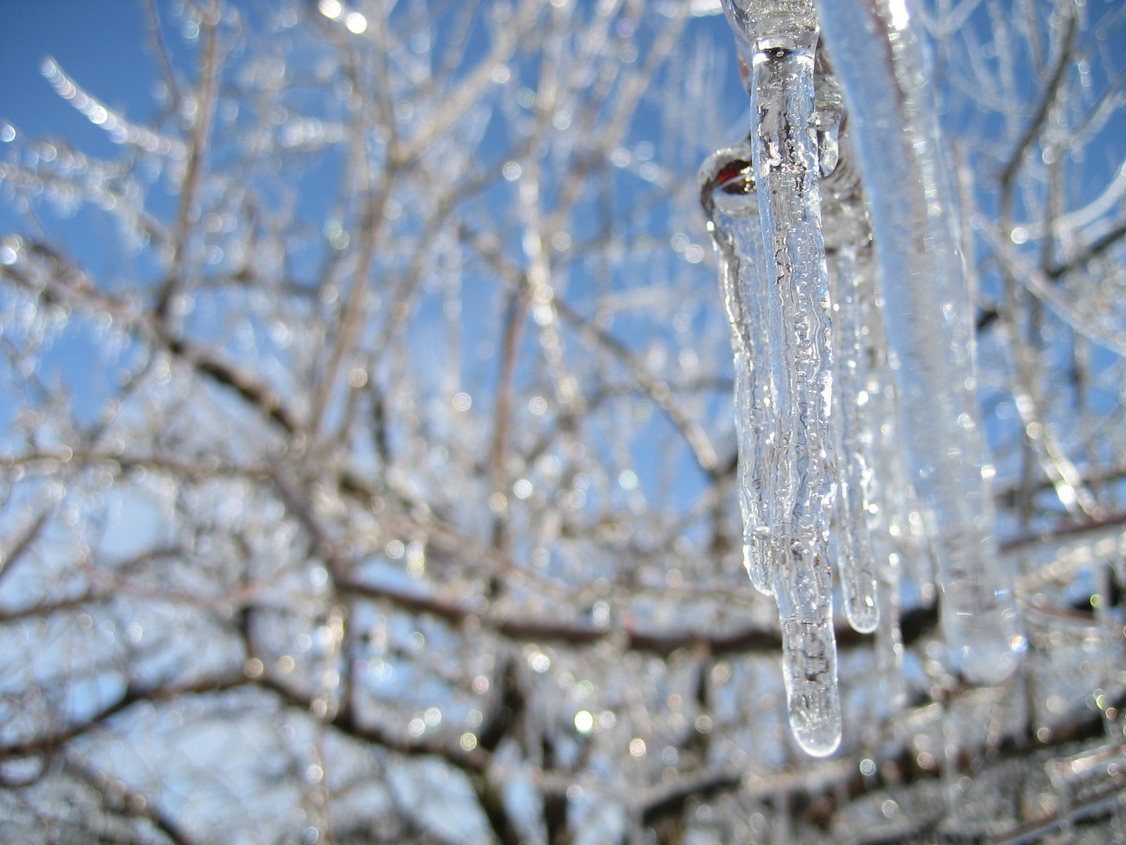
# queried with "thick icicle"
point(880, 62)
point(779, 41)
point(727, 194)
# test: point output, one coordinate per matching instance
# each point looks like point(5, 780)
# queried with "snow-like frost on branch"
point(855, 391)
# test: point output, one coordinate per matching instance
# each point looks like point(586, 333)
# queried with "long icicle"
point(855, 564)
point(848, 245)
point(779, 41)
point(728, 197)
point(880, 61)
point(876, 499)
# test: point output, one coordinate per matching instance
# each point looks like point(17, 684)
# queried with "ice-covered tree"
point(377, 479)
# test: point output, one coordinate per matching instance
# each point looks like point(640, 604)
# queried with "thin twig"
point(198, 143)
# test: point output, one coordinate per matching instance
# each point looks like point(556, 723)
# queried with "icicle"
point(855, 564)
point(779, 40)
point(727, 194)
point(880, 63)
point(848, 243)
point(887, 496)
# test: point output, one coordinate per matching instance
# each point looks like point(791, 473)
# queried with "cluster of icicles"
point(854, 392)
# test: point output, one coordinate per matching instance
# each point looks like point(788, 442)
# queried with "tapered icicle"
point(856, 566)
point(887, 496)
point(864, 390)
point(727, 194)
point(880, 62)
point(778, 41)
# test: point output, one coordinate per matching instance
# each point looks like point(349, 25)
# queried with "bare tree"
point(377, 482)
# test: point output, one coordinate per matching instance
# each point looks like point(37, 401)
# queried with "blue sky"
point(100, 43)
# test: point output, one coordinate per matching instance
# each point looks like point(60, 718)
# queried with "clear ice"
point(778, 45)
point(881, 63)
point(854, 556)
point(731, 204)
point(854, 389)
